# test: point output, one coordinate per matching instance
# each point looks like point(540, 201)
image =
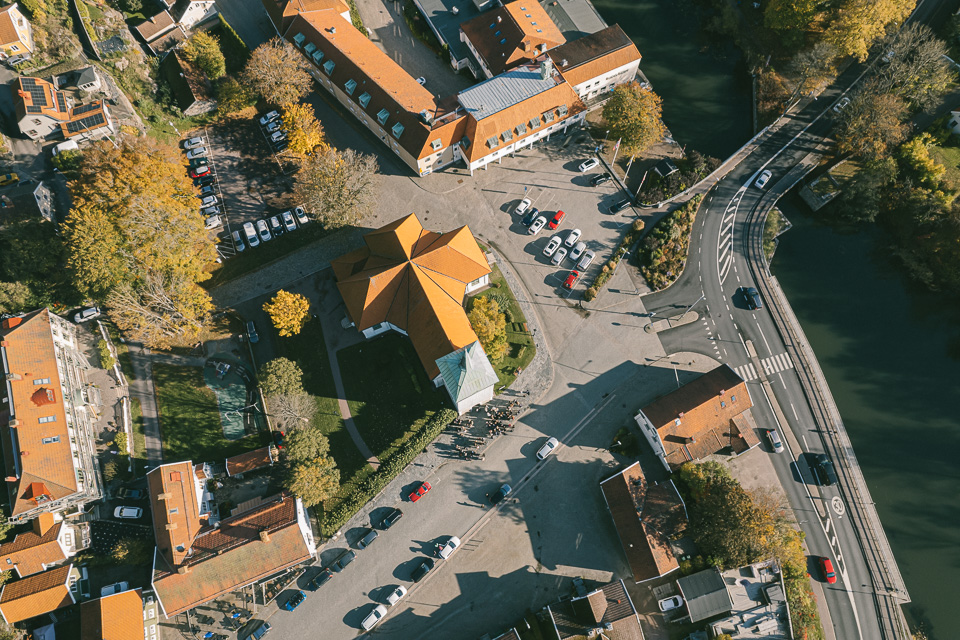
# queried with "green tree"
point(233, 96)
point(281, 376)
point(203, 50)
point(490, 325)
point(288, 312)
point(307, 444)
point(304, 133)
point(917, 164)
point(278, 72)
point(131, 552)
point(862, 197)
point(314, 481)
point(633, 115)
point(111, 470)
point(15, 297)
point(106, 357)
point(120, 440)
point(337, 188)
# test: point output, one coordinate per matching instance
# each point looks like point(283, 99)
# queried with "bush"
point(692, 169)
point(663, 253)
point(121, 441)
point(590, 294)
point(111, 470)
point(106, 358)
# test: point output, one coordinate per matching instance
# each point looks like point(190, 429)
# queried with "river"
point(884, 344)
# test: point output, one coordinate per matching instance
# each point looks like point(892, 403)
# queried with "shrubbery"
point(663, 253)
point(608, 269)
point(106, 358)
point(692, 169)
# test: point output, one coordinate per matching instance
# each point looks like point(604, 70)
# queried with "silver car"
point(250, 231)
point(288, 222)
point(573, 237)
point(238, 242)
point(577, 251)
point(193, 143)
point(559, 256)
point(199, 152)
point(208, 201)
point(586, 260)
point(301, 215)
point(212, 222)
point(264, 230)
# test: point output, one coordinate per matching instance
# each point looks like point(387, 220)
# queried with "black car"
point(322, 578)
point(260, 631)
point(603, 178)
point(751, 298)
point(620, 206)
point(823, 470)
point(501, 493)
point(203, 181)
point(281, 145)
point(369, 535)
point(530, 217)
point(391, 519)
point(345, 558)
point(422, 570)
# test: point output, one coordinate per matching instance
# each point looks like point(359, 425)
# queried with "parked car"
point(842, 104)
point(198, 162)
point(345, 558)
point(603, 178)
point(208, 201)
point(202, 170)
point(193, 143)
point(275, 227)
point(278, 438)
point(422, 570)
point(537, 226)
point(130, 494)
point(501, 493)
point(668, 604)
point(260, 631)
point(573, 237)
point(273, 115)
point(322, 578)
point(586, 165)
point(391, 518)
point(550, 444)
point(131, 513)
point(530, 216)
point(375, 616)
point(277, 136)
point(421, 81)
point(586, 260)
point(395, 595)
point(251, 234)
point(274, 125)
point(13, 61)
point(252, 335)
point(199, 152)
point(762, 179)
point(523, 206)
point(86, 314)
point(208, 190)
point(264, 230)
point(751, 297)
point(826, 565)
point(617, 207)
point(212, 222)
point(571, 280)
point(238, 242)
point(556, 219)
point(288, 222)
point(300, 215)
point(209, 211)
point(116, 587)
point(552, 246)
point(8, 179)
point(368, 537)
point(559, 256)
point(577, 251)
point(204, 180)
point(775, 441)
point(295, 601)
point(280, 145)
point(420, 491)
point(446, 550)
point(823, 469)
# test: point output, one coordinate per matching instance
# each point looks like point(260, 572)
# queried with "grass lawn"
point(522, 349)
point(949, 157)
point(189, 419)
point(309, 351)
point(388, 391)
point(139, 440)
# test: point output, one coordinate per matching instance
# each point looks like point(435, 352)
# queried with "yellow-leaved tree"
point(278, 72)
point(304, 133)
point(633, 115)
point(288, 311)
point(490, 325)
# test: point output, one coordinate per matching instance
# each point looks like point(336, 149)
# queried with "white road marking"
point(771, 365)
point(764, 337)
point(795, 416)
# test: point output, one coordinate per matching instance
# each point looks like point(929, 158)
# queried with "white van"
point(69, 145)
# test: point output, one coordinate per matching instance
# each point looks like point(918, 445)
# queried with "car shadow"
point(403, 570)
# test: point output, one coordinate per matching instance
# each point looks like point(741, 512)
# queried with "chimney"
point(10, 323)
point(164, 496)
point(183, 569)
point(171, 526)
point(499, 19)
point(11, 478)
point(264, 535)
point(333, 30)
point(546, 69)
point(564, 62)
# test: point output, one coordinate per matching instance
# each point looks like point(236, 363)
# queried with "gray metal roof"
point(466, 371)
point(503, 91)
point(706, 595)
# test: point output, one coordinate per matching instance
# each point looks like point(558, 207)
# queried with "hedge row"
point(607, 272)
point(389, 469)
point(663, 253)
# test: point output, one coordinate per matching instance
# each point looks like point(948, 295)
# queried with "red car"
point(828, 573)
point(202, 170)
point(556, 219)
point(420, 492)
point(571, 280)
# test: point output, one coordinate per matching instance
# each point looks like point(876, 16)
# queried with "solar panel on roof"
point(61, 102)
point(37, 95)
point(32, 109)
point(89, 122)
point(85, 108)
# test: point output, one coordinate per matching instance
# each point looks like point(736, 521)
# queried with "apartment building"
point(509, 35)
point(52, 541)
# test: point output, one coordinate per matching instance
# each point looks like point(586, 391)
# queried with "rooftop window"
point(507, 135)
point(492, 142)
point(563, 110)
point(328, 66)
point(46, 419)
point(310, 48)
point(521, 129)
point(50, 440)
point(364, 99)
point(397, 130)
point(464, 142)
point(299, 38)
point(493, 24)
point(539, 30)
point(382, 116)
point(436, 144)
point(498, 32)
point(317, 56)
point(503, 41)
point(533, 23)
point(42, 381)
point(350, 87)
point(534, 123)
point(527, 15)
point(549, 116)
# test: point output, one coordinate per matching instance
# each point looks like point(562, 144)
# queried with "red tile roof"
point(249, 461)
point(282, 12)
point(512, 34)
point(594, 54)
point(35, 595)
point(29, 552)
point(155, 26)
point(40, 450)
point(176, 510)
point(115, 617)
point(609, 606)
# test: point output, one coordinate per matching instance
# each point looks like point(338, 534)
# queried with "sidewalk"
point(141, 387)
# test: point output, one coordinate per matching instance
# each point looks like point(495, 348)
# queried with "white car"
point(763, 179)
point(552, 246)
point(208, 201)
point(573, 237)
point(264, 230)
point(238, 241)
point(251, 233)
point(421, 81)
point(522, 207)
point(537, 226)
point(586, 260)
point(300, 215)
point(199, 152)
point(447, 550)
point(673, 602)
point(212, 222)
point(577, 251)
point(559, 256)
point(116, 587)
point(274, 125)
point(547, 448)
point(395, 595)
point(288, 222)
point(586, 165)
point(841, 104)
point(193, 143)
point(210, 211)
point(375, 616)
point(86, 314)
point(128, 512)
point(273, 115)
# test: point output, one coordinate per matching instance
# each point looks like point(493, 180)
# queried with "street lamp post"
point(693, 305)
point(169, 122)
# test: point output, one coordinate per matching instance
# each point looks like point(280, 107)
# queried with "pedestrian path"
point(771, 365)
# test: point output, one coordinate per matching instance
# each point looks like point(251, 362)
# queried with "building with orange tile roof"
point(235, 552)
point(511, 34)
point(45, 431)
point(181, 505)
point(646, 518)
point(51, 541)
point(282, 12)
point(414, 281)
point(16, 32)
point(41, 110)
point(700, 418)
point(597, 63)
point(120, 616)
point(36, 595)
point(608, 608)
point(249, 461)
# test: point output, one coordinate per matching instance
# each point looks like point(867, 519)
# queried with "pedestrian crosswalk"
point(771, 365)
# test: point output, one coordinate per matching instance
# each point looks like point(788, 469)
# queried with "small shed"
point(665, 167)
point(706, 594)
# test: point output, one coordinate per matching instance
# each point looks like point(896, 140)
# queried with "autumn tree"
point(203, 50)
point(815, 67)
point(304, 133)
point(288, 311)
point(291, 411)
point(915, 67)
point(14, 297)
point(861, 198)
point(633, 115)
point(856, 24)
point(872, 124)
point(160, 311)
point(490, 325)
point(337, 188)
point(131, 551)
point(280, 376)
point(278, 72)
point(304, 445)
point(314, 481)
point(791, 18)
point(233, 96)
